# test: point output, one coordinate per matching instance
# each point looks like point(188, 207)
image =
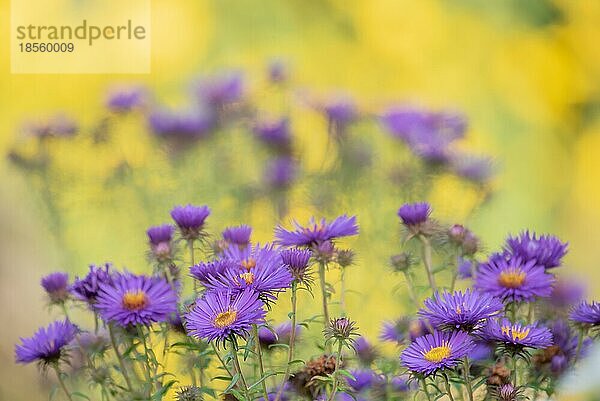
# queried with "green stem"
point(324, 293)
point(147, 366)
point(286, 375)
point(448, 389)
point(426, 254)
point(64, 309)
point(191, 247)
point(119, 357)
point(343, 292)
point(95, 322)
point(513, 312)
point(467, 376)
point(411, 290)
point(455, 273)
point(424, 384)
point(62, 383)
point(238, 367)
point(338, 362)
point(221, 359)
point(261, 365)
point(582, 333)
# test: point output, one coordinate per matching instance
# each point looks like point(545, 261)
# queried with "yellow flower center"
point(512, 278)
point(515, 332)
point(438, 354)
point(225, 319)
point(248, 263)
point(135, 300)
point(247, 277)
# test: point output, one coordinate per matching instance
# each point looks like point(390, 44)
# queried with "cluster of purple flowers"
point(458, 334)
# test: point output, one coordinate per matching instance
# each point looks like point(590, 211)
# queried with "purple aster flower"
point(403, 383)
point(365, 351)
point(342, 330)
point(516, 336)
point(180, 126)
point(275, 134)
point(47, 345)
point(433, 352)
point(56, 286)
point(190, 220)
point(466, 311)
point(414, 214)
point(547, 250)
point(123, 100)
point(160, 241)
point(513, 280)
point(317, 233)
point(209, 272)
point(280, 172)
point(258, 268)
point(222, 89)
point(136, 300)
point(586, 313)
point(88, 288)
point(217, 315)
point(297, 261)
point(238, 235)
point(507, 392)
point(158, 234)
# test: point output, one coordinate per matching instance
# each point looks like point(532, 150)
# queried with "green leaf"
point(224, 378)
point(81, 395)
point(159, 395)
point(234, 380)
point(261, 380)
point(295, 361)
point(346, 373)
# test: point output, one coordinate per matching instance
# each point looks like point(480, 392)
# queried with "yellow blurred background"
point(525, 73)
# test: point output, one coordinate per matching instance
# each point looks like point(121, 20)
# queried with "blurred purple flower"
point(280, 172)
point(125, 99)
point(275, 134)
point(56, 286)
point(222, 88)
point(180, 126)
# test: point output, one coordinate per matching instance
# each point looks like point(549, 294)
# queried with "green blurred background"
point(525, 73)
